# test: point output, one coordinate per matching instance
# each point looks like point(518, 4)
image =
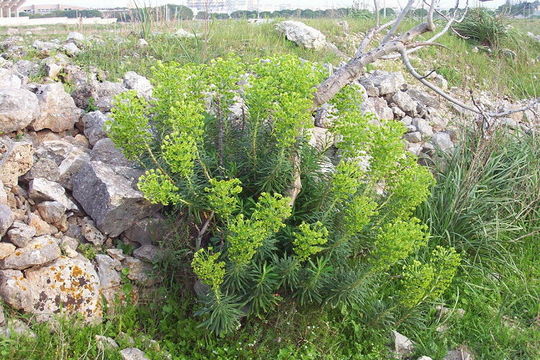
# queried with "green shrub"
point(331, 246)
point(484, 27)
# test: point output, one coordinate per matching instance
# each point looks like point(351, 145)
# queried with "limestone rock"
point(379, 107)
point(109, 197)
point(41, 226)
point(51, 211)
point(45, 47)
point(105, 151)
point(386, 82)
point(105, 93)
point(423, 127)
point(302, 35)
point(94, 123)
point(9, 80)
point(43, 190)
point(16, 158)
point(92, 234)
point(138, 83)
point(107, 268)
point(68, 285)
point(403, 346)
point(404, 101)
point(413, 137)
point(71, 49)
point(75, 37)
point(139, 271)
point(6, 249)
point(39, 251)
point(442, 141)
point(133, 354)
point(6, 219)
point(58, 110)
point(18, 108)
point(21, 234)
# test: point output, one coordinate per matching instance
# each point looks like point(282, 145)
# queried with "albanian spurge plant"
point(228, 140)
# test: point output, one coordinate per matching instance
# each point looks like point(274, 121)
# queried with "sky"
point(320, 4)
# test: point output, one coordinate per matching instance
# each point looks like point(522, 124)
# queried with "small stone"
point(149, 253)
point(92, 234)
point(6, 249)
point(71, 49)
point(140, 84)
point(387, 83)
point(139, 271)
point(413, 137)
point(423, 127)
point(403, 346)
point(442, 141)
point(105, 343)
point(107, 268)
point(39, 251)
point(94, 123)
point(461, 353)
point(58, 109)
point(75, 36)
point(51, 211)
point(18, 328)
point(116, 254)
point(133, 354)
point(404, 102)
point(142, 43)
point(2, 316)
point(21, 234)
point(425, 358)
point(6, 219)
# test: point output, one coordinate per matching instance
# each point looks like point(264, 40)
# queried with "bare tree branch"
point(368, 38)
point(399, 20)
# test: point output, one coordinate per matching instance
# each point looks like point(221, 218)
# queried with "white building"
point(10, 8)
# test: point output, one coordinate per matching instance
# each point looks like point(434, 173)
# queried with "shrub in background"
point(235, 173)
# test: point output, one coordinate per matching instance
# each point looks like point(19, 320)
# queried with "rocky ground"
point(68, 198)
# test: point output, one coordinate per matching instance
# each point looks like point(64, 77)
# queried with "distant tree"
point(388, 12)
point(220, 16)
point(202, 15)
point(244, 14)
point(265, 14)
point(180, 12)
point(419, 13)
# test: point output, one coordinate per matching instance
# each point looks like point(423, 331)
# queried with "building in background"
point(210, 6)
point(10, 8)
point(49, 8)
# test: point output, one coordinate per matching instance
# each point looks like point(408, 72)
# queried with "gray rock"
point(107, 268)
point(461, 353)
point(148, 231)
point(71, 49)
point(26, 68)
point(423, 127)
point(105, 93)
point(386, 82)
point(116, 254)
point(133, 354)
point(40, 251)
point(3, 194)
point(413, 137)
point(51, 211)
point(76, 37)
point(138, 83)
point(21, 234)
point(105, 343)
point(2, 316)
point(404, 102)
point(9, 80)
point(302, 35)
point(18, 108)
point(58, 109)
point(380, 107)
point(67, 285)
point(94, 123)
point(105, 151)
point(45, 190)
point(6, 219)
point(423, 98)
point(16, 328)
point(442, 141)
point(403, 346)
point(44, 168)
point(109, 197)
point(425, 358)
point(149, 253)
point(371, 89)
point(45, 47)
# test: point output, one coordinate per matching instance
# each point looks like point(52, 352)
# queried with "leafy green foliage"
point(348, 227)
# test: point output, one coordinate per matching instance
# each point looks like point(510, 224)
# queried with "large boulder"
point(302, 35)
point(16, 158)
point(18, 108)
point(68, 285)
point(58, 110)
point(109, 197)
point(9, 80)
